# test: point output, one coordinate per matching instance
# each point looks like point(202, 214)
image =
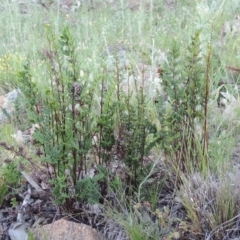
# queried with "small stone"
point(1, 232)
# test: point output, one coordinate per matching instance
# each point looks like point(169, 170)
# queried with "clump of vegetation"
point(186, 82)
point(211, 203)
point(130, 148)
point(67, 123)
point(11, 174)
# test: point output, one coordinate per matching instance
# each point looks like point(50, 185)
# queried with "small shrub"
point(89, 189)
point(11, 174)
point(186, 83)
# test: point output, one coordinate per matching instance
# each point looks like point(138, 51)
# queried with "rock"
point(70, 5)
point(171, 4)
point(2, 99)
point(136, 75)
point(230, 30)
point(66, 230)
point(136, 5)
point(230, 27)
point(17, 231)
point(7, 104)
point(144, 76)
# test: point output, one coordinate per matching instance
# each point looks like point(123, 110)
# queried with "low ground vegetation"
point(125, 116)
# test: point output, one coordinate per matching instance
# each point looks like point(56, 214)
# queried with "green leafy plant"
point(89, 189)
point(84, 118)
point(186, 82)
point(60, 190)
point(11, 174)
point(14, 202)
point(62, 111)
point(133, 129)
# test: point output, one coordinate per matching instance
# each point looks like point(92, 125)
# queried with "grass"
point(206, 194)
